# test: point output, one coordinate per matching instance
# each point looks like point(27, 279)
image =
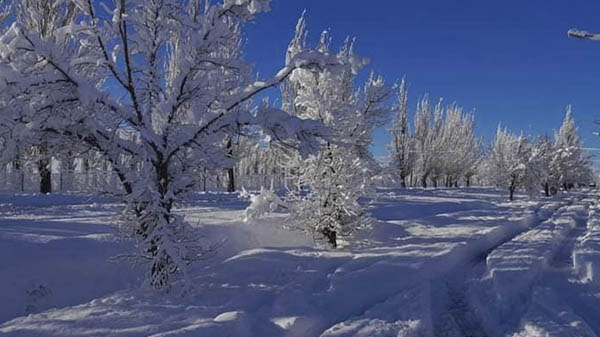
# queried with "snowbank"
point(586, 256)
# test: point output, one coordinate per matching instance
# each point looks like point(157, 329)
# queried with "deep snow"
point(445, 262)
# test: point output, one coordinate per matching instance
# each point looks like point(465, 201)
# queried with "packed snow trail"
point(508, 298)
point(450, 311)
point(455, 313)
point(564, 302)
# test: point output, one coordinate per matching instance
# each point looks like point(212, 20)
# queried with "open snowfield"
point(445, 262)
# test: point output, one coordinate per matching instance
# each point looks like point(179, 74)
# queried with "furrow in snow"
point(560, 304)
point(514, 265)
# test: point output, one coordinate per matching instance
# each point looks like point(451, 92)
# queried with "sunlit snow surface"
point(446, 262)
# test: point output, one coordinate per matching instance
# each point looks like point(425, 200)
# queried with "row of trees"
point(517, 162)
point(442, 147)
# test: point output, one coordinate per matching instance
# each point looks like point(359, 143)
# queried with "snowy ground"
point(446, 262)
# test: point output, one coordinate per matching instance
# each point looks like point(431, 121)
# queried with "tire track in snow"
point(425, 300)
point(453, 315)
point(456, 310)
point(563, 260)
point(560, 280)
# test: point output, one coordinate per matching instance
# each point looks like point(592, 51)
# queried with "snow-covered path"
point(437, 263)
point(563, 303)
point(531, 287)
point(457, 300)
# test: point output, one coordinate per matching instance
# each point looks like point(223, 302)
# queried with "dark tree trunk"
point(45, 176)
point(468, 182)
point(230, 180)
point(331, 236)
point(403, 181)
point(512, 187)
point(162, 268)
point(230, 173)
point(547, 189)
point(18, 168)
point(424, 181)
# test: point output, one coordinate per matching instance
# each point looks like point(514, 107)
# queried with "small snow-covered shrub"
point(261, 204)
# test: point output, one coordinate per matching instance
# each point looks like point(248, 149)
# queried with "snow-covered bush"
point(265, 202)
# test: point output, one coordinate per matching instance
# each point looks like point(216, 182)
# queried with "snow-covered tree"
point(423, 140)
point(570, 162)
point(402, 147)
point(507, 161)
point(329, 185)
point(472, 160)
point(515, 162)
point(168, 71)
point(542, 163)
point(459, 151)
point(445, 144)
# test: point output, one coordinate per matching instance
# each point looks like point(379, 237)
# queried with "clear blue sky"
point(511, 61)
